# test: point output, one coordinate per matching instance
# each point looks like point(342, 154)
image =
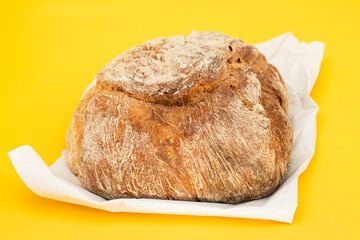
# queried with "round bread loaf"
point(198, 118)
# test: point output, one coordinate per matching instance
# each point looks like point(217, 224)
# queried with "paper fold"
point(299, 65)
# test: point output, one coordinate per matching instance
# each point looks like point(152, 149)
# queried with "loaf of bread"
point(198, 118)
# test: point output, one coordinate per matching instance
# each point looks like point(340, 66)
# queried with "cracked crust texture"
point(199, 118)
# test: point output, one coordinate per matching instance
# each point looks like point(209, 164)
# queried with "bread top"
point(179, 70)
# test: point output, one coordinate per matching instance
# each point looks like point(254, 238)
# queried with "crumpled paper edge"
point(43, 180)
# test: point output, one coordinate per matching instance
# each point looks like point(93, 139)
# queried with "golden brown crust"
point(201, 118)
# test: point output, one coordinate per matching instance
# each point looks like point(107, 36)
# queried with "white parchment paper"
point(299, 65)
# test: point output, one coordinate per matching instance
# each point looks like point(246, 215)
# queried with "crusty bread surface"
point(199, 118)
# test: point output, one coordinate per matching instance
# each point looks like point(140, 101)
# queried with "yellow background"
point(51, 50)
